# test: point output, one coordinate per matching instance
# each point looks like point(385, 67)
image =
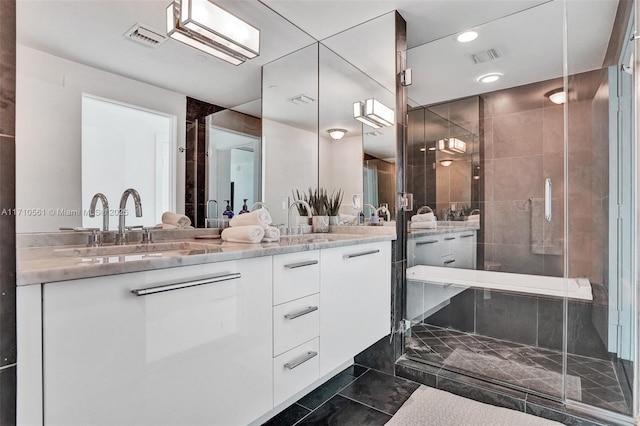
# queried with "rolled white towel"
point(425, 217)
point(166, 226)
point(243, 234)
point(271, 234)
point(347, 219)
point(474, 218)
point(259, 217)
point(424, 225)
point(179, 220)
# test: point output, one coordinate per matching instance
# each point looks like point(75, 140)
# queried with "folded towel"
point(424, 225)
point(243, 234)
point(474, 218)
point(259, 217)
point(166, 226)
point(271, 233)
point(425, 217)
point(179, 220)
point(347, 218)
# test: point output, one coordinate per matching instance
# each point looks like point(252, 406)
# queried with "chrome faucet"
point(105, 209)
point(302, 203)
point(259, 204)
point(383, 209)
point(207, 217)
point(121, 236)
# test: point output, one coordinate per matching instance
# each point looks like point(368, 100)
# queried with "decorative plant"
point(302, 210)
point(334, 203)
point(318, 201)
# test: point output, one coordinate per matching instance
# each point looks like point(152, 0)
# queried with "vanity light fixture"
point(211, 29)
point(373, 113)
point(467, 36)
point(489, 78)
point(452, 146)
point(337, 134)
point(446, 163)
point(557, 96)
point(423, 149)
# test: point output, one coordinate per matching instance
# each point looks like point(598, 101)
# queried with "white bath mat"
point(432, 407)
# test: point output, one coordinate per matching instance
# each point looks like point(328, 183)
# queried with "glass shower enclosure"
point(521, 244)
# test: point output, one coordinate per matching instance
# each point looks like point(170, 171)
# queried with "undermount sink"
point(116, 250)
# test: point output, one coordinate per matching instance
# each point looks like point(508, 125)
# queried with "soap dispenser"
point(228, 213)
point(375, 220)
point(245, 209)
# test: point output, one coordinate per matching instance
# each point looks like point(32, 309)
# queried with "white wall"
point(48, 132)
point(341, 167)
point(289, 161)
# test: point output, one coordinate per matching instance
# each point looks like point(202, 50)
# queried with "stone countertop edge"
point(53, 270)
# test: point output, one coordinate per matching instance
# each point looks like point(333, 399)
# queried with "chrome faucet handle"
point(95, 238)
point(147, 236)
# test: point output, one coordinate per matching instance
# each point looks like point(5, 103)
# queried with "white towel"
point(347, 219)
point(474, 218)
point(425, 217)
point(259, 217)
point(424, 225)
point(179, 220)
point(166, 226)
point(271, 234)
point(243, 234)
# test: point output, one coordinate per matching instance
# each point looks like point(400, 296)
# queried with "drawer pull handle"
point(466, 236)
point(301, 360)
point(449, 238)
point(305, 311)
point(447, 262)
point(301, 264)
point(177, 286)
point(364, 253)
point(421, 243)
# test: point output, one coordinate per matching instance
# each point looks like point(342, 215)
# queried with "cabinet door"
point(427, 250)
point(465, 250)
point(355, 294)
point(194, 355)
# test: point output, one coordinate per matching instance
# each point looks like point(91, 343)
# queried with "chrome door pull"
point(305, 311)
point(421, 243)
point(301, 360)
point(177, 286)
point(447, 262)
point(364, 253)
point(466, 236)
point(301, 264)
point(547, 200)
point(449, 238)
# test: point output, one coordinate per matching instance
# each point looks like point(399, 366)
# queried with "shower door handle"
point(547, 199)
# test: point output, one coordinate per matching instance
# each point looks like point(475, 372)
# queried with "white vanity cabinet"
point(192, 345)
point(453, 249)
point(355, 293)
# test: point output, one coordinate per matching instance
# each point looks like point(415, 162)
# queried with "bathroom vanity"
point(212, 333)
point(453, 246)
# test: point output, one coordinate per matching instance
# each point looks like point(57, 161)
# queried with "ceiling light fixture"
point(452, 146)
point(557, 96)
point(211, 29)
point(489, 78)
point(467, 36)
point(446, 163)
point(337, 134)
point(373, 113)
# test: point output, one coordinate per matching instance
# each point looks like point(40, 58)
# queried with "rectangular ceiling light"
point(452, 146)
point(358, 114)
point(379, 112)
point(207, 27)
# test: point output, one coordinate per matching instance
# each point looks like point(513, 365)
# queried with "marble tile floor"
point(355, 396)
point(532, 369)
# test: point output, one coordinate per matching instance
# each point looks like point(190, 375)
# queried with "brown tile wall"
point(7, 219)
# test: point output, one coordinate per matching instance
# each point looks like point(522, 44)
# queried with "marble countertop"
point(445, 228)
point(49, 263)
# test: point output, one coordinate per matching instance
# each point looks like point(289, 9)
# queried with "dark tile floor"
point(532, 369)
point(357, 395)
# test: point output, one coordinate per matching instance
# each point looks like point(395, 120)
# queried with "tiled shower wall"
point(7, 218)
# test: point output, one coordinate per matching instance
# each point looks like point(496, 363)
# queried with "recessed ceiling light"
point(467, 36)
point(336, 134)
point(489, 78)
point(446, 163)
point(557, 96)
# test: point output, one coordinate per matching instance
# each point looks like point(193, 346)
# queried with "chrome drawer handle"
point(177, 286)
point(447, 262)
point(301, 360)
point(364, 253)
point(305, 311)
point(449, 238)
point(547, 200)
point(421, 243)
point(466, 236)
point(301, 264)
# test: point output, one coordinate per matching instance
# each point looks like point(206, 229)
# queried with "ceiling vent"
point(301, 99)
point(145, 35)
point(486, 56)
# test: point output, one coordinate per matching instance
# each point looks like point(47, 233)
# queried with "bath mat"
point(515, 373)
point(432, 407)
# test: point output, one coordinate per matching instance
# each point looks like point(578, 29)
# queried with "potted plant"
point(319, 203)
point(333, 206)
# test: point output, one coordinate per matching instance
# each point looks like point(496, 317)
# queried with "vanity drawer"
point(294, 370)
point(295, 275)
point(295, 322)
